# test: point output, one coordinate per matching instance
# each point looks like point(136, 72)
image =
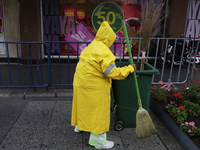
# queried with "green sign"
point(108, 11)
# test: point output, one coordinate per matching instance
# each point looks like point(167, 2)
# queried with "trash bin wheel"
point(119, 126)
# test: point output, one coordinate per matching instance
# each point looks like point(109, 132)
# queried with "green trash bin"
point(124, 99)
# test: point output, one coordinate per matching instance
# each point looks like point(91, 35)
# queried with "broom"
point(144, 124)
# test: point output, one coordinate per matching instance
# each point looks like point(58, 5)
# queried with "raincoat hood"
point(105, 34)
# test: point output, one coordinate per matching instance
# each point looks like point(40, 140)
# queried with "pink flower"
point(162, 87)
point(168, 85)
point(189, 130)
point(192, 123)
point(175, 104)
point(167, 88)
point(186, 123)
point(161, 83)
point(166, 106)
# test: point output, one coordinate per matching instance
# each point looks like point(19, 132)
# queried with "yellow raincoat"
point(92, 83)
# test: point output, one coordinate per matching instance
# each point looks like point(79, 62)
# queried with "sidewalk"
point(42, 122)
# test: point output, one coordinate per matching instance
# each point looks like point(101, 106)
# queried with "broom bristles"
point(144, 124)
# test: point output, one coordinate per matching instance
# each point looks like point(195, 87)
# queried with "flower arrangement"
point(190, 129)
point(183, 106)
point(178, 114)
point(158, 91)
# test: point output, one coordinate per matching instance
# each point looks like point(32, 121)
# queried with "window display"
point(193, 19)
point(193, 22)
point(68, 20)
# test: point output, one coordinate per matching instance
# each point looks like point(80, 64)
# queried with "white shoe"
point(76, 129)
point(107, 145)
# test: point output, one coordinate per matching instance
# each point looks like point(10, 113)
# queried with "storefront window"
point(2, 35)
point(70, 20)
point(193, 20)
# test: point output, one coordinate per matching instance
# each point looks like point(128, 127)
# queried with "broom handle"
point(131, 60)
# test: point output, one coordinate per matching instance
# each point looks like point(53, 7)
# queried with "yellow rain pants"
point(92, 83)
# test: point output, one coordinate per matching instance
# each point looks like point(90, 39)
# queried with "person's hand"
point(134, 66)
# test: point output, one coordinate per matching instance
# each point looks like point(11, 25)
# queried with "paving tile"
point(62, 114)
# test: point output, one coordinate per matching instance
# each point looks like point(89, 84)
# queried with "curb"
point(185, 142)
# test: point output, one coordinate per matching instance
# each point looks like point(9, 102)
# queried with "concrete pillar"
point(178, 17)
point(12, 26)
point(30, 24)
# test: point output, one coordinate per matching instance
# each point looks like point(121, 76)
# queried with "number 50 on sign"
point(110, 12)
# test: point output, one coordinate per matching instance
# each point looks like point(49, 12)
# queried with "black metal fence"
point(42, 68)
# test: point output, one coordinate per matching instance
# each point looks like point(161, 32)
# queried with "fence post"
point(49, 64)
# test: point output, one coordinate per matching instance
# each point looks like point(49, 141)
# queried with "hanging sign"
point(108, 11)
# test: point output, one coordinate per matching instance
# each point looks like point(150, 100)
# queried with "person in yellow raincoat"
point(91, 87)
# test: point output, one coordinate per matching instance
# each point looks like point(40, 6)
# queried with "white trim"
point(75, 57)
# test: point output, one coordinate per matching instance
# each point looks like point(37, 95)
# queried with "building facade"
point(61, 20)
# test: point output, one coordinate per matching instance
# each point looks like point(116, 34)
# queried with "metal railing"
point(43, 68)
point(17, 74)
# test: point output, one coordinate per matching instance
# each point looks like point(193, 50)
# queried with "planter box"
point(173, 128)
